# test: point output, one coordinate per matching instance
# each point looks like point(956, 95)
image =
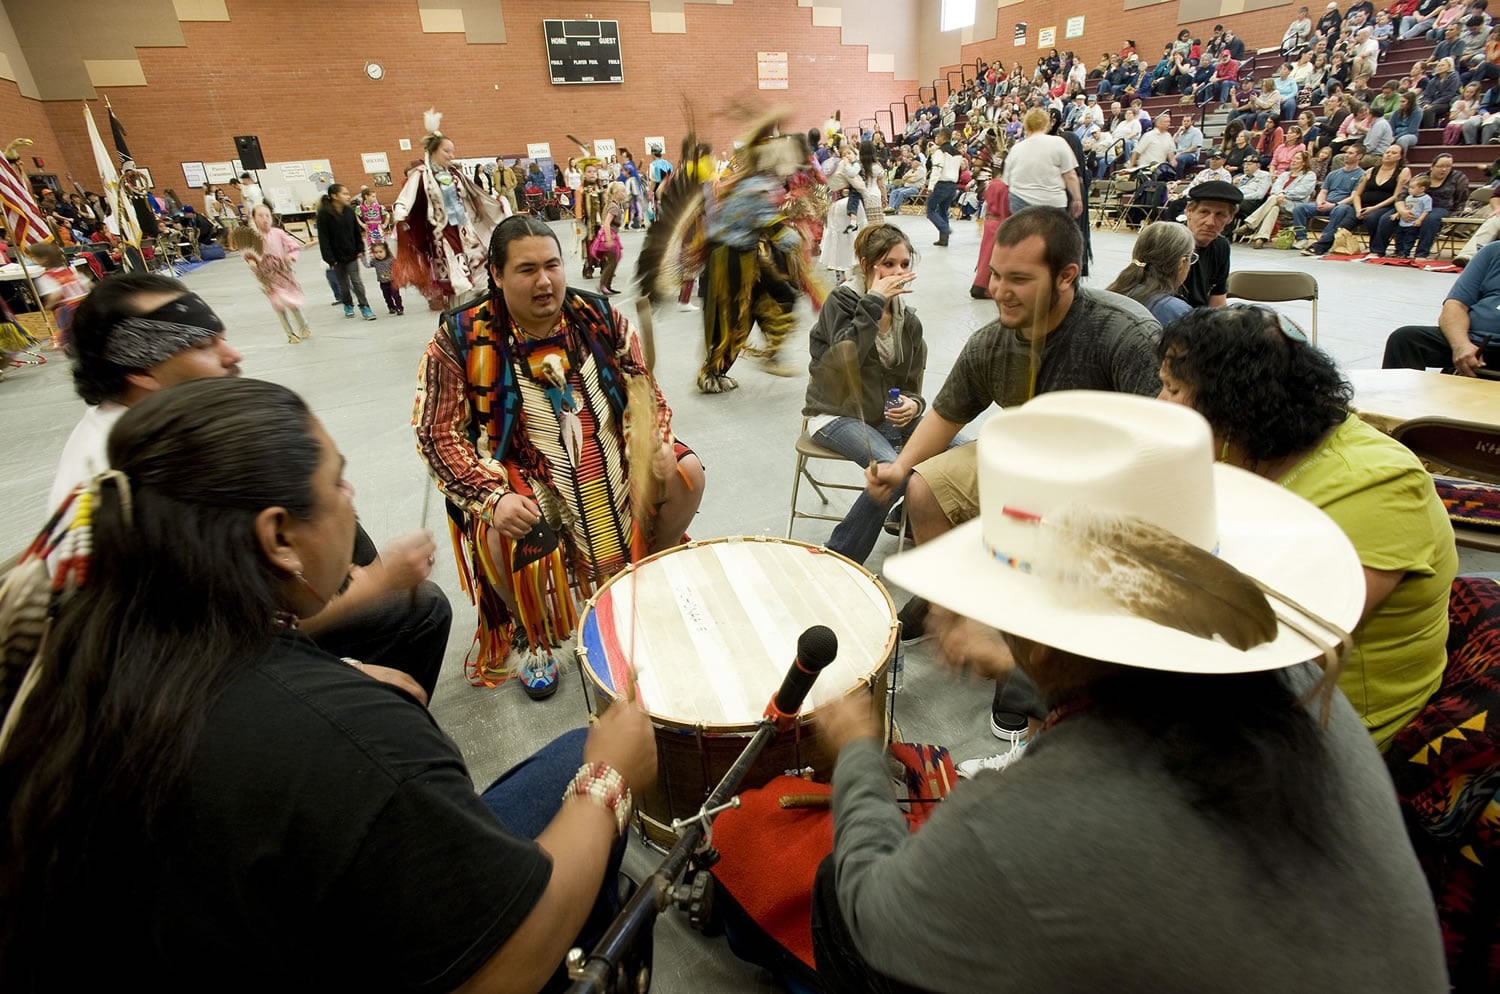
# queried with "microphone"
point(816, 648)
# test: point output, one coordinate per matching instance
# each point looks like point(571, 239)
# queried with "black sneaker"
point(893, 520)
point(913, 618)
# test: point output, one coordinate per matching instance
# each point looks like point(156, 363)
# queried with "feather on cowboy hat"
point(1065, 476)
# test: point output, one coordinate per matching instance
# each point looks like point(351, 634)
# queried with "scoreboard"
point(584, 51)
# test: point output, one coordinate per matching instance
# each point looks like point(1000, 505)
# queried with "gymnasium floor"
point(359, 377)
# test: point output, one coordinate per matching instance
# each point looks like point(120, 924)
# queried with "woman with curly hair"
point(1279, 408)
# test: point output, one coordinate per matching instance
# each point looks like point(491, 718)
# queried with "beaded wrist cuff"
point(605, 787)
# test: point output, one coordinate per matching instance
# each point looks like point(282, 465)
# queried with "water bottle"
point(892, 401)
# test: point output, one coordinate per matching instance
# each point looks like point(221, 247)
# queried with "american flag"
point(23, 219)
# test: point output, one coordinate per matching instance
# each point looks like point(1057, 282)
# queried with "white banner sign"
point(538, 150)
point(656, 143)
point(604, 147)
point(1074, 28)
point(218, 172)
point(375, 162)
point(195, 175)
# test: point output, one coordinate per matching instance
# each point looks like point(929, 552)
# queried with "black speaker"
point(248, 147)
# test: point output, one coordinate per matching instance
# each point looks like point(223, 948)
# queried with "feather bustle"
point(1157, 576)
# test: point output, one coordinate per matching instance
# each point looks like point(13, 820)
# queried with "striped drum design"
point(714, 628)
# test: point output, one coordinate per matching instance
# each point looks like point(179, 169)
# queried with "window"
point(957, 14)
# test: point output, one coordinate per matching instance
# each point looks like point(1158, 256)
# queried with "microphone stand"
point(600, 971)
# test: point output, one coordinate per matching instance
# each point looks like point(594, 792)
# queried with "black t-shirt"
point(1209, 276)
point(330, 839)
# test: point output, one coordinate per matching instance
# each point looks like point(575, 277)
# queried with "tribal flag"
point(122, 222)
point(23, 219)
point(118, 130)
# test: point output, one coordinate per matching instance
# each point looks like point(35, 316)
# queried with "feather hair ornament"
point(1153, 574)
point(432, 120)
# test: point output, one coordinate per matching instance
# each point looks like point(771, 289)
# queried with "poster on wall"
point(194, 173)
point(604, 148)
point(293, 171)
point(1047, 37)
point(382, 179)
point(1020, 33)
point(538, 150)
point(656, 143)
point(219, 172)
point(375, 162)
point(1074, 28)
point(771, 70)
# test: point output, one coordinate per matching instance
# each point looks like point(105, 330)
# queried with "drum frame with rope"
point(693, 756)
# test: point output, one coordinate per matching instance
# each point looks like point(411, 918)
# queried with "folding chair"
point(808, 450)
point(1467, 449)
point(1268, 287)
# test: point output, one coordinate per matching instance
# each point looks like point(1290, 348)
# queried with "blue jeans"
point(938, 202)
point(860, 443)
point(1301, 214)
point(528, 796)
point(1343, 217)
point(900, 195)
point(1016, 205)
point(1423, 236)
point(1186, 161)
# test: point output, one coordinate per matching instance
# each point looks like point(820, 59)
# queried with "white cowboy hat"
point(1148, 459)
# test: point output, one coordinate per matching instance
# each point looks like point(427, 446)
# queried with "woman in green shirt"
point(1279, 408)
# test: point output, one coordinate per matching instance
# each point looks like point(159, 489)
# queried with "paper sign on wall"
point(404, 144)
point(656, 143)
point(1020, 33)
point(604, 147)
point(195, 174)
point(1074, 28)
point(219, 172)
point(292, 171)
point(538, 150)
point(1047, 37)
point(375, 162)
point(771, 70)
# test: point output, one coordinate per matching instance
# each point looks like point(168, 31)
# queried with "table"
point(1388, 398)
point(303, 218)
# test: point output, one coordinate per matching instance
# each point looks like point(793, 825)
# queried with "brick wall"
point(293, 74)
point(1105, 30)
point(24, 117)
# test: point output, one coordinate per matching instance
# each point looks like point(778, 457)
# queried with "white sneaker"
point(1300, 243)
point(999, 762)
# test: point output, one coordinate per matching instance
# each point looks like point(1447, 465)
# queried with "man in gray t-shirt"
point(1088, 340)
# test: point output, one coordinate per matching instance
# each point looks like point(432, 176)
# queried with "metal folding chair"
point(1268, 287)
point(1466, 449)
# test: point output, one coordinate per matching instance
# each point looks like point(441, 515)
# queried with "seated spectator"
point(1291, 188)
point(1256, 110)
point(1118, 142)
point(1223, 80)
point(1439, 94)
point(1449, 189)
point(1189, 145)
point(1291, 144)
point(1298, 34)
point(1475, 34)
point(1406, 122)
point(1488, 67)
point(1378, 189)
point(1487, 231)
point(1279, 408)
point(1467, 335)
point(1286, 88)
point(1254, 184)
point(1160, 260)
point(1156, 147)
point(1366, 53)
point(1310, 131)
point(1425, 20)
point(1463, 110)
point(907, 184)
point(866, 335)
point(1216, 172)
point(1387, 98)
point(1267, 142)
point(1337, 190)
point(1239, 149)
point(1329, 25)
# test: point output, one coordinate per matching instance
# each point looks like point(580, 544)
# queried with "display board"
point(584, 51)
point(296, 186)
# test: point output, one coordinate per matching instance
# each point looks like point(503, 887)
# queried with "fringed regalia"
point(440, 257)
point(498, 413)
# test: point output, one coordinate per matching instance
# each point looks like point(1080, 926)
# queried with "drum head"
point(715, 627)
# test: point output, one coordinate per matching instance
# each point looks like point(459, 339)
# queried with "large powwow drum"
point(712, 628)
